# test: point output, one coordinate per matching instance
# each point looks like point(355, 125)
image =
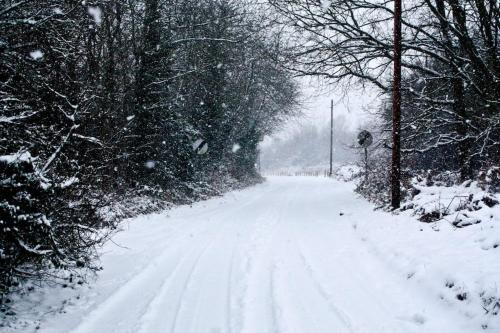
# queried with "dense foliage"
point(105, 98)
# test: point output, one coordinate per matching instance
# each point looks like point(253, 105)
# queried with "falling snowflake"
point(235, 148)
point(96, 14)
point(36, 55)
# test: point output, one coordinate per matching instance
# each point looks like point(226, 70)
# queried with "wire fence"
point(302, 173)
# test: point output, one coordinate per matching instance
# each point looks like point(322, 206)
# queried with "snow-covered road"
point(284, 256)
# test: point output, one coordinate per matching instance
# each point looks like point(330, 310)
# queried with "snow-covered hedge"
point(149, 200)
point(46, 225)
point(438, 197)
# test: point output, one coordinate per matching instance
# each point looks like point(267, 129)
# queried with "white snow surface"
point(16, 158)
point(295, 254)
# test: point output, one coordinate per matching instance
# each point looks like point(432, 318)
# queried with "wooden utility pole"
point(331, 139)
point(396, 111)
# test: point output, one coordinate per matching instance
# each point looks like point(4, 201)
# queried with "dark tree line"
point(451, 70)
point(104, 99)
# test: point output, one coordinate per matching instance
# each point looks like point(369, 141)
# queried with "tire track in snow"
point(327, 297)
point(229, 298)
point(276, 310)
point(296, 262)
point(186, 285)
point(154, 305)
point(322, 291)
point(308, 307)
point(126, 293)
point(144, 283)
point(258, 292)
point(349, 253)
point(254, 290)
point(177, 295)
point(283, 308)
point(350, 263)
point(281, 288)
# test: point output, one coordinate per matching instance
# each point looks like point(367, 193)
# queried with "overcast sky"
point(355, 104)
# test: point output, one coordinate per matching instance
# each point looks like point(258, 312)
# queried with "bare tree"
point(450, 51)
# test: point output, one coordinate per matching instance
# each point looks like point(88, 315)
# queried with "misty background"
point(304, 142)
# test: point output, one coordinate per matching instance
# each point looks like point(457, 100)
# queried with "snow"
point(295, 254)
point(36, 55)
point(96, 14)
point(347, 172)
point(236, 147)
point(15, 158)
point(150, 164)
point(32, 250)
point(460, 205)
point(325, 4)
point(70, 181)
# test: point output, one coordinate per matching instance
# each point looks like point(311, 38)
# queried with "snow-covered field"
point(295, 254)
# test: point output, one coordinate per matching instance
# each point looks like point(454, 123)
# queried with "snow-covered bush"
point(48, 221)
point(43, 225)
point(375, 183)
point(437, 196)
point(347, 172)
point(489, 179)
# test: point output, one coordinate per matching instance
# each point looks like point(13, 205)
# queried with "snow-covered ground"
point(295, 254)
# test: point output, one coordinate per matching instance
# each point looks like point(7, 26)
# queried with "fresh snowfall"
point(249, 166)
point(294, 254)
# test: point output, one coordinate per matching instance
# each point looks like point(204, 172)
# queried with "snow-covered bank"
point(459, 266)
point(33, 298)
point(295, 254)
point(149, 200)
